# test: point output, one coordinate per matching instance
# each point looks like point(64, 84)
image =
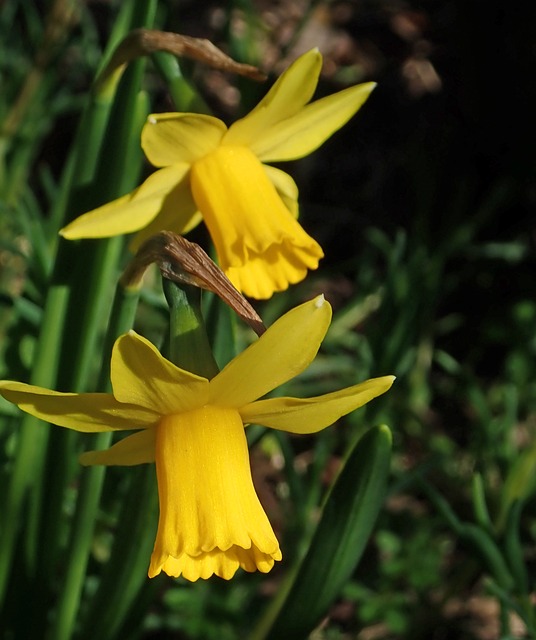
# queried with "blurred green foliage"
point(425, 208)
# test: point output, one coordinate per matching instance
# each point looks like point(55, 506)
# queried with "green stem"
point(97, 269)
point(31, 446)
point(124, 577)
point(62, 444)
point(121, 321)
point(126, 120)
point(125, 573)
point(188, 342)
point(29, 457)
point(91, 482)
point(85, 151)
point(184, 96)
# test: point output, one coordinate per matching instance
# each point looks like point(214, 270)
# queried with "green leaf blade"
point(348, 518)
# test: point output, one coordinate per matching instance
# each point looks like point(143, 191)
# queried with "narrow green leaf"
point(518, 485)
point(348, 518)
point(475, 537)
point(125, 574)
point(513, 548)
point(480, 507)
point(183, 94)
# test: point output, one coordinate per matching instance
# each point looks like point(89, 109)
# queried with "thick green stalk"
point(87, 314)
point(31, 446)
point(125, 573)
point(126, 121)
point(97, 270)
point(83, 158)
point(33, 435)
point(124, 576)
point(188, 342)
point(91, 482)
point(29, 458)
point(185, 97)
point(61, 456)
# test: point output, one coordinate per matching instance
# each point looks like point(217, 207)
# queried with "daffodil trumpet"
point(211, 520)
point(209, 171)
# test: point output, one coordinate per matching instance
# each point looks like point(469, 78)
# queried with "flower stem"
point(189, 347)
point(185, 97)
point(91, 482)
point(125, 573)
point(29, 457)
point(33, 436)
point(128, 114)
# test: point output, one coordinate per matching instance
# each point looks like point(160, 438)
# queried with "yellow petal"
point(135, 449)
point(86, 412)
point(293, 89)
point(312, 126)
point(273, 270)
point(284, 351)
point(248, 221)
point(178, 213)
point(310, 415)
point(220, 563)
point(285, 187)
point(169, 138)
point(142, 376)
point(211, 520)
point(128, 213)
point(168, 221)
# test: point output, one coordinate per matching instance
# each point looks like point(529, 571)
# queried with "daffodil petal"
point(211, 520)
point(240, 205)
point(130, 212)
point(304, 132)
point(285, 350)
point(292, 90)
point(168, 138)
point(309, 415)
point(275, 269)
point(135, 449)
point(86, 412)
point(141, 375)
point(223, 564)
point(181, 225)
point(285, 187)
point(260, 245)
point(178, 213)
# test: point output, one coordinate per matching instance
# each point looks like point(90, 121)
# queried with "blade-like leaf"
point(348, 518)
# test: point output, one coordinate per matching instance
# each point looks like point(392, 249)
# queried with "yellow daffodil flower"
point(209, 171)
point(211, 520)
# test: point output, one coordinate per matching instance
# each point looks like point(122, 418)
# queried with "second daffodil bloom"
point(211, 172)
point(211, 520)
